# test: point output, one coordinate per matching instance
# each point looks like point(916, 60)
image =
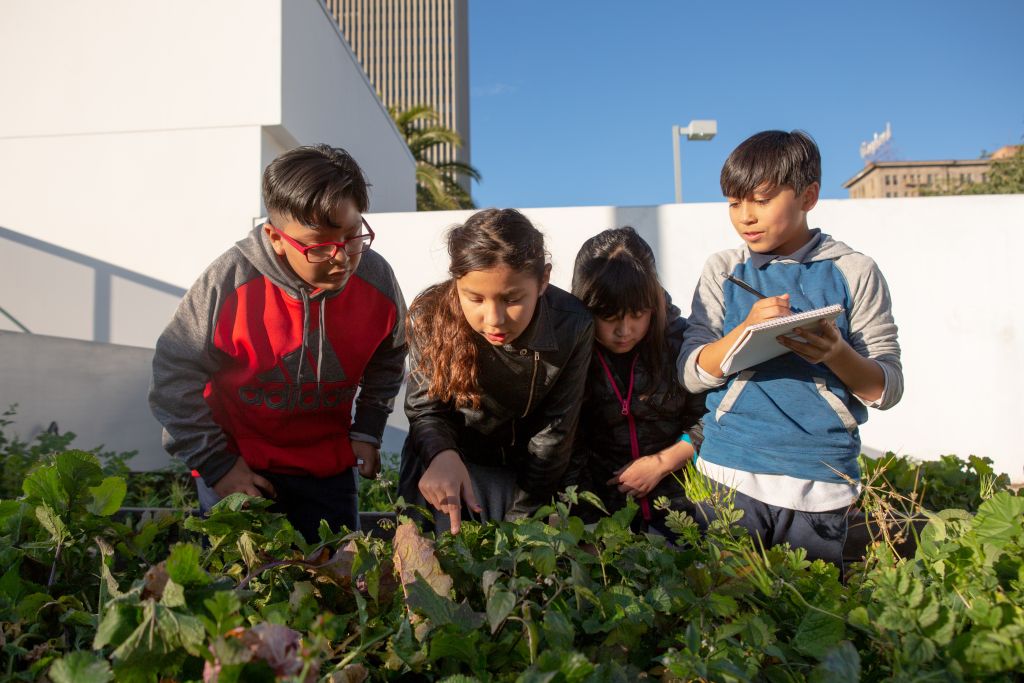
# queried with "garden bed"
point(107, 575)
point(91, 591)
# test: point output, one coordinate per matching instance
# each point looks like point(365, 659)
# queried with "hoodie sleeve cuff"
point(886, 399)
point(214, 469)
point(695, 378)
point(370, 422)
point(365, 438)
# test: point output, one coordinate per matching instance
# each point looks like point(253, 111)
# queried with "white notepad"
point(758, 342)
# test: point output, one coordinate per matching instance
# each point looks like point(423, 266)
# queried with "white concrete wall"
point(142, 121)
point(97, 391)
point(952, 264)
point(55, 291)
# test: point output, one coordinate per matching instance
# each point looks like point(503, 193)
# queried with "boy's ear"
point(276, 243)
point(809, 198)
point(545, 279)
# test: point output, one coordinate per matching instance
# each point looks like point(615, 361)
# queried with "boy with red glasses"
point(255, 377)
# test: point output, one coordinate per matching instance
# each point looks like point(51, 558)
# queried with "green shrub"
point(949, 482)
point(167, 487)
point(242, 597)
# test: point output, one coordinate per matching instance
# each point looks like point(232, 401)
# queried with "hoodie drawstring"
point(320, 350)
point(305, 335)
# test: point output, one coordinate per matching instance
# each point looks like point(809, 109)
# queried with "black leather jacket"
point(662, 409)
point(530, 402)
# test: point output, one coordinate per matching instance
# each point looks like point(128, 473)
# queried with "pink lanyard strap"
point(634, 443)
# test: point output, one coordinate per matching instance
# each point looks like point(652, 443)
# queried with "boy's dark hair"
point(772, 159)
point(307, 184)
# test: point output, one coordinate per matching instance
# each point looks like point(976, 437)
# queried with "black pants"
point(306, 500)
point(821, 534)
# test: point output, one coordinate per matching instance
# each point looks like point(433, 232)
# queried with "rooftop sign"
point(870, 151)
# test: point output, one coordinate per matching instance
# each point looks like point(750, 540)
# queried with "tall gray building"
point(416, 52)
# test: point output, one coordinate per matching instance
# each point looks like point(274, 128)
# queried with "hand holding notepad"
point(759, 342)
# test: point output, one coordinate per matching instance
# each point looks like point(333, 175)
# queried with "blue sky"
point(572, 102)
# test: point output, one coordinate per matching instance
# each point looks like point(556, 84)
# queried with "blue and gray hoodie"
point(788, 417)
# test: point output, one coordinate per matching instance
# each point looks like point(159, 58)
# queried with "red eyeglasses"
point(325, 251)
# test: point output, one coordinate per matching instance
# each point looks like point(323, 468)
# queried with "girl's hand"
point(639, 477)
point(446, 484)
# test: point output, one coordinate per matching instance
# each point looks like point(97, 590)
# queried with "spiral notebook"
point(758, 344)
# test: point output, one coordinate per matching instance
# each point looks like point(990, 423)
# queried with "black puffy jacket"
point(662, 409)
point(530, 403)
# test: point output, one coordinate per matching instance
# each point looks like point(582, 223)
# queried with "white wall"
point(952, 264)
point(112, 66)
point(164, 203)
point(57, 292)
point(143, 120)
point(97, 391)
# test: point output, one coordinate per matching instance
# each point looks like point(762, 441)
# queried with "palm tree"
point(437, 187)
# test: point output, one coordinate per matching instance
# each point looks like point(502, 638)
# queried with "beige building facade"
point(415, 52)
point(880, 179)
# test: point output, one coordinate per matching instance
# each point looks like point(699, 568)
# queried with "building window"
point(886, 180)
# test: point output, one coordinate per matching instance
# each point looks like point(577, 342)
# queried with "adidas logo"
point(279, 389)
point(291, 396)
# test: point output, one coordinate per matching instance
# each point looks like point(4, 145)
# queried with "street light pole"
point(700, 129)
point(675, 158)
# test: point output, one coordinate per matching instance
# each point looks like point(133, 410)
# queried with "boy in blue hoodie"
point(784, 434)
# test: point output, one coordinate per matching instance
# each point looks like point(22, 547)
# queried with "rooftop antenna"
point(880, 146)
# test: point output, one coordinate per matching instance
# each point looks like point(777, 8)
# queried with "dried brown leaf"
point(337, 567)
point(352, 673)
point(155, 581)
point(415, 554)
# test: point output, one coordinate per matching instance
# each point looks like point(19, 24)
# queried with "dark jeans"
point(306, 500)
point(821, 534)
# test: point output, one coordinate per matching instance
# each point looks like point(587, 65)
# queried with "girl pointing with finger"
point(498, 361)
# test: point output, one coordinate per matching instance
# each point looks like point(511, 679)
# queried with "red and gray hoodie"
point(257, 364)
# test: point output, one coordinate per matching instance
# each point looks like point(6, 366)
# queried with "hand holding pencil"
point(765, 308)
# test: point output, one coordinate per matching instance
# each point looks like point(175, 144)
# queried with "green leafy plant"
point(437, 182)
point(168, 487)
point(381, 494)
point(949, 482)
point(240, 596)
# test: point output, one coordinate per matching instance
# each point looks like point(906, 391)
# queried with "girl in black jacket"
point(639, 427)
point(498, 359)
